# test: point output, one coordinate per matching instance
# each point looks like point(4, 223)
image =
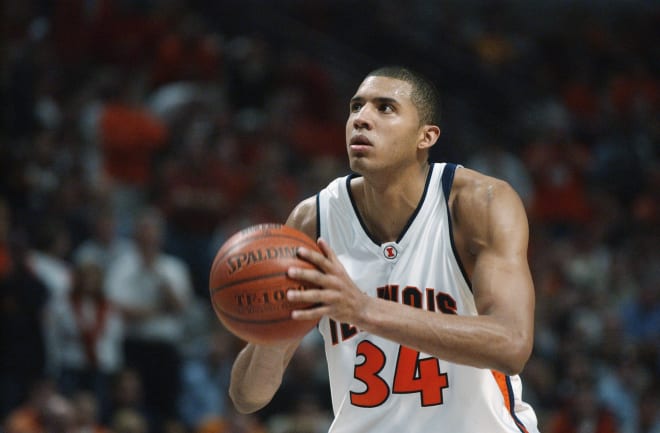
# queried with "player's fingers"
point(325, 249)
point(323, 260)
point(307, 275)
point(310, 295)
point(311, 256)
point(314, 313)
point(331, 264)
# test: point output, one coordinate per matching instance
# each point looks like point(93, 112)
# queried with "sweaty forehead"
point(384, 87)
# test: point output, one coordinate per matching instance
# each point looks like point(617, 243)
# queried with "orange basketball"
point(248, 283)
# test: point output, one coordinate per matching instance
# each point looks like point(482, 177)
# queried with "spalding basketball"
point(248, 283)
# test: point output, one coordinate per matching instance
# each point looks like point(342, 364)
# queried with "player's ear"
point(429, 134)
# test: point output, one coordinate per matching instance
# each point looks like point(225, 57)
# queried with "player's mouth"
point(359, 143)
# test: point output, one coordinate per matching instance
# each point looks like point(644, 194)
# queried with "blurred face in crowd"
point(89, 279)
point(148, 235)
point(105, 228)
point(86, 408)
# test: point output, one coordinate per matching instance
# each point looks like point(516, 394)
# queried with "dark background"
point(242, 104)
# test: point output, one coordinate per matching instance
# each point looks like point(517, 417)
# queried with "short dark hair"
point(425, 96)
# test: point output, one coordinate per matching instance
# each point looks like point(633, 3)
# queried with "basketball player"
point(426, 300)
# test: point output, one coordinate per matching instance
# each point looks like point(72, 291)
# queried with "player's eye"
point(355, 107)
point(386, 108)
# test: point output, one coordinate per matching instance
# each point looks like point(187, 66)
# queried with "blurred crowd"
point(137, 135)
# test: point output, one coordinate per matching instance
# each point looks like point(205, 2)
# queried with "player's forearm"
point(478, 341)
point(257, 374)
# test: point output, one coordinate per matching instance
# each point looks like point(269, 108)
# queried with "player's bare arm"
point(490, 229)
point(257, 375)
point(258, 370)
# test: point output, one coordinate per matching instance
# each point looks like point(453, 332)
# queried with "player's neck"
point(386, 207)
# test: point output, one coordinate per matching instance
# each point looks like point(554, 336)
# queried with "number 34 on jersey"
point(411, 374)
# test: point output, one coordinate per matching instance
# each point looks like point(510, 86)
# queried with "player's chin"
point(358, 163)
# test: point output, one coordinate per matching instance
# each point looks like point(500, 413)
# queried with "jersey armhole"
point(447, 181)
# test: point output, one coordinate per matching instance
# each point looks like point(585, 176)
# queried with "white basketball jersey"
point(379, 386)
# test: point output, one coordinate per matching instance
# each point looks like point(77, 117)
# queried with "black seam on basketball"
point(253, 322)
point(247, 280)
point(259, 322)
point(309, 243)
point(269, 235)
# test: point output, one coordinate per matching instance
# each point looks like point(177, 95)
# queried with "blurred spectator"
point(618, 385)
point(205, 379)
point(23, 297)
point(23, 69)
point(197, 190)
point(45, 412)
point(249, 73)
point(233, 422)
point(129, 138)
point(305, 391)
point(495, 160)
point(106, 244)
point(641, 313)
point(634, 90)
point(129, 421)
point(106, 32)
point(173, 425)
point(85, 333)
point(649, 411)
point(557, 165)
point(127, 396)
point(59, 415)
point(6, 262)
point(275, 189)
point(28, 415)
point(314, 130)
point(87, 413)
point(619, 162)
point(580, 95)
point(308, 416)
point(188, 53)
point(582, 413)
point(153, 290)
point(49, 257)
point(44, 169)
point(493, 46)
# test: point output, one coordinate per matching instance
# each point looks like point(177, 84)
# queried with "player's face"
point(383, 127)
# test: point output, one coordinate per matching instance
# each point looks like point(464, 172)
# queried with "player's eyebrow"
point(377, 100)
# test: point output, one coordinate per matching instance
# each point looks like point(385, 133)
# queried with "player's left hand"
point(337, 295)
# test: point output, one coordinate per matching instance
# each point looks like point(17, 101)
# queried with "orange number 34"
point(412, 375)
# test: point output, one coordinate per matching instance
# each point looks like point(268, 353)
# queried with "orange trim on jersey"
point(500, 378)
point(505, 388)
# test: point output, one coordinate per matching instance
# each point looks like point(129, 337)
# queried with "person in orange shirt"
point(129, 138)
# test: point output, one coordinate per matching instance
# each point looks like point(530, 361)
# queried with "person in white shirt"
point(152, 289)
point(85, 335)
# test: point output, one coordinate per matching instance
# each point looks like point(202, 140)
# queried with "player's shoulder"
point(304, 217)
point(478, 201)
point(474, 188)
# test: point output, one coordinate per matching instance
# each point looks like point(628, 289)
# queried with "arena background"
point(215, 115)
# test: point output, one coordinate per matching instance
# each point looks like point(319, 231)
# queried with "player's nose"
point(363, 119)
